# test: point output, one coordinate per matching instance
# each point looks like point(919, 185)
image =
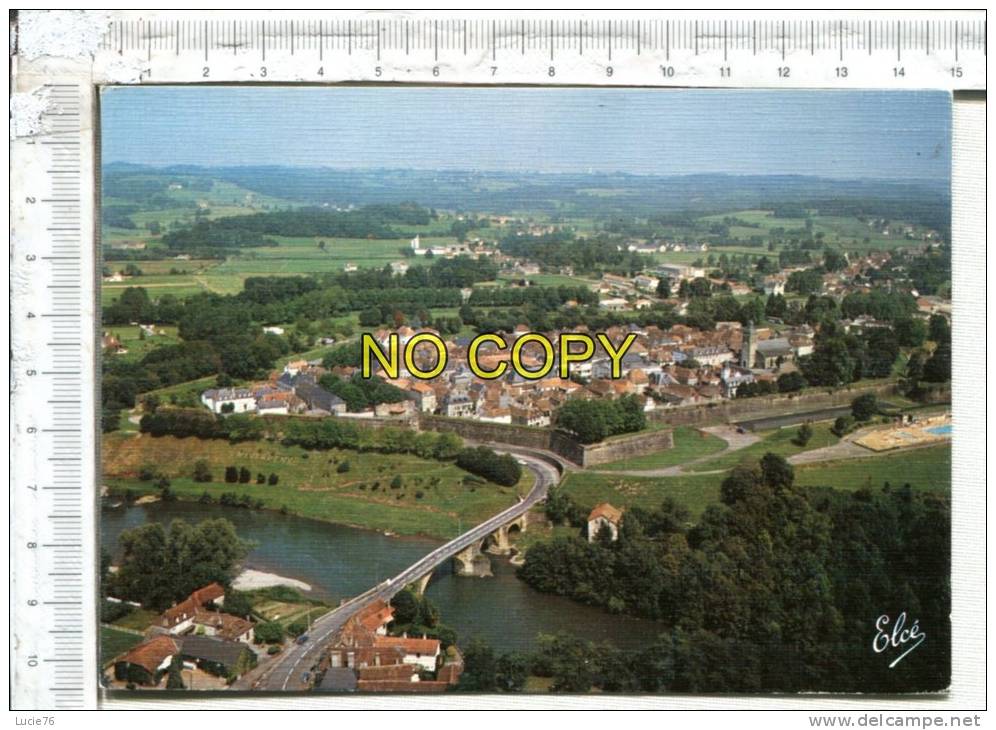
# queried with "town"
point(504, 403)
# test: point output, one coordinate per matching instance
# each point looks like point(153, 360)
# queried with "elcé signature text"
point(897, 636)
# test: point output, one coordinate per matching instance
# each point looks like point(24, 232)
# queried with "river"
point(340, 562)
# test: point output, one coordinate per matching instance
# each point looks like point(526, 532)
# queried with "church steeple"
point(748, 351)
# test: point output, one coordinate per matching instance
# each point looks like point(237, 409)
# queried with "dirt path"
point(735, 441)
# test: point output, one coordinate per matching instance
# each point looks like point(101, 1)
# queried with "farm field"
point(434, 498)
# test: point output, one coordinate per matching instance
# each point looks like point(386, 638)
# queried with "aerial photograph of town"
point(524, 390)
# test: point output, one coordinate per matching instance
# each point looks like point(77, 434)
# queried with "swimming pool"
point(944, 430)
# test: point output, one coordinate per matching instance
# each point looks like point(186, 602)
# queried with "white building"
point(614, 304)
point(242, 400)
point(604, 517)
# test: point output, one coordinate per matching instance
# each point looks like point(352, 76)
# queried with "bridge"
point(286, 672)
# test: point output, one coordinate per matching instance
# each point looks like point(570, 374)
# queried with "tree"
point(269, 632)
point(791, 382)
point(273, 479)
point(776, 472)
point(938, 328)
point(511, 672)
point(244, 475)
point(910, 332)
point(834, 260)
point(174, 678)
point(237, 603)
point(406, 607)
point(479, 667)
point(231, 474)
point(160, 566)
point(938, 368)
point(202, 471)
point(803, 435)
point(864, 407)
point(664, 288)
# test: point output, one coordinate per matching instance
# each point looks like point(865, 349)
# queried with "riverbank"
point(395, 493)
point(250, 579)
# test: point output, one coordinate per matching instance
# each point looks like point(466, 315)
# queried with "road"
point(286, 671)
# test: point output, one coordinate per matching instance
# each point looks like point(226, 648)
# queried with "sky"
point(835, 134)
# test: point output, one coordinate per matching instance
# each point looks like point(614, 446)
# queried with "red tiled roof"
point(606, 510)
point(429, 647)
point(150, 654)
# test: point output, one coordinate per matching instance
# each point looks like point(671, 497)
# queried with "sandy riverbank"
point(250, 579)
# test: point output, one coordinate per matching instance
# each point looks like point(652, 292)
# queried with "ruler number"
point(205, 72)
point(725, 72)
point(956, 72)
point(494, 70)
point(30, 257)
point(32, 602)
point(31, 201)
point(321, 70)
point(435, 70)
point(841, 72)
point(378, 71)
point(667, 72)
point(608, 71)
point(784, 72)
point(262, 72)
point(898, 71)
point(31, 545)
point(33, 660)
point(552, 71)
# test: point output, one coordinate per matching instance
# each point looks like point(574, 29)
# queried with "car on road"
point(302, 639)
point(741, 429)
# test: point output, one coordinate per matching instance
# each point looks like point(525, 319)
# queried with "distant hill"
point(586, 194)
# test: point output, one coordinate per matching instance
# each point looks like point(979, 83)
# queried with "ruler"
point(52, 536)
point(54, 320)
point(871, 50)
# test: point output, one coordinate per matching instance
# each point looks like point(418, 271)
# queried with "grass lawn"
point(137, 346)
point(926, 469)
point(137, 620)
point(114, 642)
point(780, 441)
point(433, 498)
point(696, 492)
point(689, 443)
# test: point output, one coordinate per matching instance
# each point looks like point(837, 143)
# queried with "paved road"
point(286, 671)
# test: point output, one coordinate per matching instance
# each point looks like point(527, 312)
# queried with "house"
point(774, 285)
point(224, 626)
point(424, 653)
point(772, 353)
point(604, 517)
point(399, 268)
point(423, 395)
point(614, 304)
point(179, 618)
point(229, 400)
point(320, 400)
point(338, 679)
point(350, 268)
point(645, 282)
point(145, 663)
point(273, 330)
point(376, 617)
point(218, 656)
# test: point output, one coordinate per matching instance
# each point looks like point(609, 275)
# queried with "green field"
point(138, 620)
point(689, 443)
point(696, 491)
point(114, 642)
point(779, 442)
point(927, 469)
point(138, 346)
point(434, 498)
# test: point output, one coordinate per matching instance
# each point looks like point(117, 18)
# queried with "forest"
point(776, 589)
